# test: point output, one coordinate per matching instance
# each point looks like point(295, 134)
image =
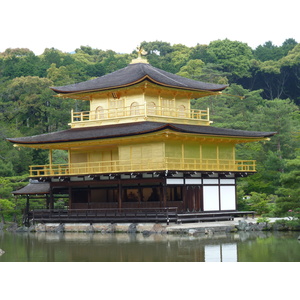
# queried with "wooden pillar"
point(50, 160)
point(51, 199)
point(26, 212)
point(140, 194)
point(69, 161)
point(120, 196)
point(164, 195)
point(161, 195)
point(89, 195)
point(27, 205)
point(50, 156)
point(70, 197)
point(47, 201)
point(184, 197)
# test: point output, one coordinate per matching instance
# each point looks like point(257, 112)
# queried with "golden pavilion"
point(141, 146)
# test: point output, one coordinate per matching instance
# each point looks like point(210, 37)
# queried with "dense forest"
point(263, 94)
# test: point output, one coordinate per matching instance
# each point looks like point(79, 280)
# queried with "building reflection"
point(135, 247)
point(97, 247)
point(220, 253)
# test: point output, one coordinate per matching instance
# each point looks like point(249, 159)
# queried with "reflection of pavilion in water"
point(137, 247)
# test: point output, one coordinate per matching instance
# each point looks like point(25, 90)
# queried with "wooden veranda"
point(155, 215)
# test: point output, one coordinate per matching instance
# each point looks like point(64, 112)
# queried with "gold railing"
point(144, 110)
point(143, 165)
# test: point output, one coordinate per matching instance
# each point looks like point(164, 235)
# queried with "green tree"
point(278, 75)
point(157, 47)
point(6, 207)
point(159, 55)
point(289, 190)
point(178, 57)
point(196, 69)
point(269, 51)
point(26, 102)
point(202, 52)
point(259, 202)
point(193, 69)
point(234, 56)
point(59, 76)
point(281, 116)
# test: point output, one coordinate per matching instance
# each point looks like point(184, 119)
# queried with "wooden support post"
point(89, 197)
point(51, 199)
point(161, 195)
point(140, 195)
point(70, 197)
point(165, 195)
point(184, 196)
point(47, 201)
point(26, 213)
point(69, 162)
point(120, 196)
point(27, 205)
point(50, 160)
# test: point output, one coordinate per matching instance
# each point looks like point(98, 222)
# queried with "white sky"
point(121, 25)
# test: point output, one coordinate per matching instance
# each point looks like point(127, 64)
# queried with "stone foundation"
point(145, 228)
point(149, 228)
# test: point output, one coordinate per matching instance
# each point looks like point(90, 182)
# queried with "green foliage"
point(9, 184)
point(292, 220)
point(60, 157)
point(9, 208)
point(260, 202)
point(263, 220)
point(268, 51)
point(289, 189)
point(193, 69)
point(6, 208)
point(275, 70)
point(234, 56)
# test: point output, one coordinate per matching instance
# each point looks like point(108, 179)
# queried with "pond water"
point(97, 247)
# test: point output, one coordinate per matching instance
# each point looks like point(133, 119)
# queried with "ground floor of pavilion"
point(135, 196)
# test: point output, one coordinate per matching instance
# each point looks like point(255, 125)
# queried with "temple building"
point(141, 145)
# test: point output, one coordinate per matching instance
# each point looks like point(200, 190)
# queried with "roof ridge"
point(159, 72)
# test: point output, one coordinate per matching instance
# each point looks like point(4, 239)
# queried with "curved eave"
point(161, 133)
point(84, 94)
point(34, 189)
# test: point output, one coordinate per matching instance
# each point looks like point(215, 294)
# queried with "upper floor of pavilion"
point(139, 92)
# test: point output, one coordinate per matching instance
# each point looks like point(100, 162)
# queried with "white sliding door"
point(227, 194)
point(210, 198)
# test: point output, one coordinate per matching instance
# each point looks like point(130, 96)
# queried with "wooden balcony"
point(144, 112)
point(144, 165)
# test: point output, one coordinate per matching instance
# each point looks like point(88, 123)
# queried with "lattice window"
point(168, 107)
point(99, 114)
point(134, 109)
point(151, 108)
point(181, 111)
point(116, 107)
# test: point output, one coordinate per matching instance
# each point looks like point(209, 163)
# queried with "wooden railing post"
point(145, 109)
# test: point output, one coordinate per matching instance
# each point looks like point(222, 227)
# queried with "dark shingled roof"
point(34, 188)
point(135, 73)
point(131, 129)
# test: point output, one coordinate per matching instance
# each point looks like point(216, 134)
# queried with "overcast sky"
point(122, 25)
